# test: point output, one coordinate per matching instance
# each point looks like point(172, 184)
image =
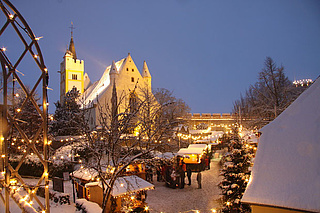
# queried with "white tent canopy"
point(286, 172)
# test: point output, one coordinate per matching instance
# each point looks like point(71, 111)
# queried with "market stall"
point(129, 192)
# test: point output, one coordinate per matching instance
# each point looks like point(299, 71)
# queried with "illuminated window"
point(74, 77)
point(132, 79)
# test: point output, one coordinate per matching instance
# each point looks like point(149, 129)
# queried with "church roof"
point(286, 172)
point(100, 86)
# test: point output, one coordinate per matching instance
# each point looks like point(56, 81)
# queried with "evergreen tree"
point(68, 118)
point(235, 176)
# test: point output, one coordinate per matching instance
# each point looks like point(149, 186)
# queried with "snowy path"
point(167, 200)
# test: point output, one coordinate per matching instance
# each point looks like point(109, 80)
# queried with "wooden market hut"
point(126, 187)
point(286, 173)
point(194, 156)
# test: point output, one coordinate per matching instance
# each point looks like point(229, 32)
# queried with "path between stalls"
point(167, 200)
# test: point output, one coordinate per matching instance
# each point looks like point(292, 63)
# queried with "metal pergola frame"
point(9, 69)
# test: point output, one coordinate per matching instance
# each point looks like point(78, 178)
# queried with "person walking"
point(199, 180)
point(189, 172)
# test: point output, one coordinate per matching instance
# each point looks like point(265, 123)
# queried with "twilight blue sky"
point(206, 51)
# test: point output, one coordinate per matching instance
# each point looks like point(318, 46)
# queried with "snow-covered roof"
point(127, 184)
point(166, 155)
point(199, 146)
point(196, 151)
point(286, 172)
point(84, 174)
point(99, 87)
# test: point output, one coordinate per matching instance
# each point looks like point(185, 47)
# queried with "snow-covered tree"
point(236, 174)
point(68, 117)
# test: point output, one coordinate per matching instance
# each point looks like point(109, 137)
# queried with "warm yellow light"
point(38, 38)
point(213, 210)
point(35, 56)
point(18, 110)
point(11, 16)
point(146, 208)
point(228, 203)
point(121, 185)
point(3, 49)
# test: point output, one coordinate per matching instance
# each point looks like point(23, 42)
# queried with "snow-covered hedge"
point(85, 206)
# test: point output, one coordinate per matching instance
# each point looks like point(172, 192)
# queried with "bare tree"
point(268, 97)
point(125, 135)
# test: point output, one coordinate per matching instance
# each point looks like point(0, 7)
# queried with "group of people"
point(174, 175)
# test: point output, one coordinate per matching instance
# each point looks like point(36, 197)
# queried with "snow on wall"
point(286, 172)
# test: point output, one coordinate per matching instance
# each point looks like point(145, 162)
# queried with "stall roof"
point(126, 184)
point(197, 146)
point(84, 174)
point(190, 151)
point(286, 172)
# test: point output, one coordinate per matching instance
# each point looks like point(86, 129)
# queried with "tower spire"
point(72, 49)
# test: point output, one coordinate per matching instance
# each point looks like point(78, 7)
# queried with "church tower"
point(71, 71)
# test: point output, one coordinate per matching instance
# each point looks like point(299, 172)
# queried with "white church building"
point(123, 73)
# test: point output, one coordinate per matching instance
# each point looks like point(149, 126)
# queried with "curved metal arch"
point(22, 29)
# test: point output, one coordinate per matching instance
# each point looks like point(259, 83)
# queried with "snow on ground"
point(167, 200)
point(162, 198)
